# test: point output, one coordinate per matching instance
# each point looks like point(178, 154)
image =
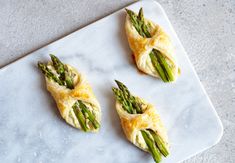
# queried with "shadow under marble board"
point(32, 130)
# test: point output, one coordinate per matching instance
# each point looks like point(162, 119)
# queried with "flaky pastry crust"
point(133, 123)
point(141, 46)
point(65, 98)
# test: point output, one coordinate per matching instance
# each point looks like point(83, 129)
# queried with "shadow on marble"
point(113, 117)
point(121, 35)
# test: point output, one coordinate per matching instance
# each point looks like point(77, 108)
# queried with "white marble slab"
point(31, 129)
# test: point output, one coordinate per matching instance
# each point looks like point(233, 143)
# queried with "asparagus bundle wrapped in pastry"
point(151, 46)
point(141, 123)
point(73, 95)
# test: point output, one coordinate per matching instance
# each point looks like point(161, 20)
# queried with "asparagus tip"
point(41, 65)
point(119, 83)
point(53, 58)
point(116, 81)
point(129, 12)
point(127, 9)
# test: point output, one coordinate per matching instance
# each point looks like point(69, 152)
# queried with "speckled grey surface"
point(205, 28)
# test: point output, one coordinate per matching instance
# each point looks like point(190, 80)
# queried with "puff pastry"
point(152, 48)
point(73, 95)
point(141, 123)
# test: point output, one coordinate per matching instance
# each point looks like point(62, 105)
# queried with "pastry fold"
point(141, 123)
point(132, 124)
point(142, 46)
point(77, 105)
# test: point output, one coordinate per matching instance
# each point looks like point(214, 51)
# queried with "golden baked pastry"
point(141, 123)
point(152, 48)
point(73, 95)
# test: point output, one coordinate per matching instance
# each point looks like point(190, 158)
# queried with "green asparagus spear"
point(151, 146)
point(63, 72)
point(157, 66)
point(129, 102)
point(134, 21)
point(91, 117)
point(143, 26)
point(166, 64)
point(132, 99)
point(136, 104)
point(123, 88)
point(126, 95)
point(48, 73)
point(68, 78)
point(58, 65)
point(138, 23)
point(163, 67)
point(120, 97)
point(80, 117)
point(160, 143)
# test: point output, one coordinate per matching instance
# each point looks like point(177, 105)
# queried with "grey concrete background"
point(206, 29)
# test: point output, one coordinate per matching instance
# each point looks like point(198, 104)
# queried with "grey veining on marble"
point(32, 130)
point(206, 29)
